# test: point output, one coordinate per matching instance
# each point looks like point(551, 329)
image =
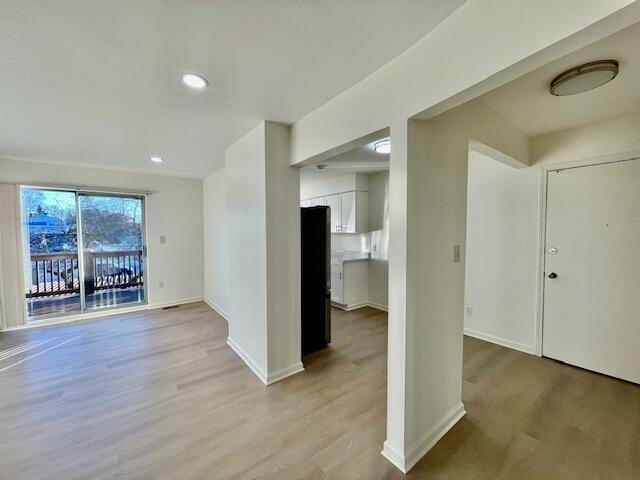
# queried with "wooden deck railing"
point(58, 274)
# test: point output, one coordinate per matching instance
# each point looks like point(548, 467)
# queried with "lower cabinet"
point(349, 283)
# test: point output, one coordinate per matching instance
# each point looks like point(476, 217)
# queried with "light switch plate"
point(163, 240)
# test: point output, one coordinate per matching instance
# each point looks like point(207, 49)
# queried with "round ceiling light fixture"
point(156, 160)
point(584, 78)
point(383, 146)
point(193, 80)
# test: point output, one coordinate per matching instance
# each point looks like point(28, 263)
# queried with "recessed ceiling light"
point(383, 146)
point(584, 78)
point(156, 160)
point(194, 80)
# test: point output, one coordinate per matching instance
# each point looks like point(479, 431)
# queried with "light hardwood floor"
point(158, 394)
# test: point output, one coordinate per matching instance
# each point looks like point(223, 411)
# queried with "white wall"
point(501, 254)
point(246, 227)
point(283, 255)
point(216, 274)
point(173, 210)
point(614, 136)
point(320, 184)
point(258, 268)
point(436, 186)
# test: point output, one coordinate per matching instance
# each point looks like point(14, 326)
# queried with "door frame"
point(83, 314)
point(542, 223)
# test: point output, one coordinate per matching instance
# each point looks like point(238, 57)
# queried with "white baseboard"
point(522, 347)
point(393, 456)
point(379, 306)
point(355, 306)
point(267, 379)
point(284, 373)
point(217, 309)
point(173, 303)
point(246, 358)
point(424, 443)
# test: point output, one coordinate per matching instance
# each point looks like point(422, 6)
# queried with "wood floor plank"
point(159, 395)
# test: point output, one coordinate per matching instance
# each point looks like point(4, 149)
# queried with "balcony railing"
point(58, 273)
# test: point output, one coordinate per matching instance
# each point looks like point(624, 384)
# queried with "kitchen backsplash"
point(351, 242)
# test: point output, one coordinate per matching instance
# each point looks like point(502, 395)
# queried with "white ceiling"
point(98, 82)
point(528, 105)
point(363, 159)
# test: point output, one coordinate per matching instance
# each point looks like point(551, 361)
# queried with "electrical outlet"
point(468, 310)
point(161, 284)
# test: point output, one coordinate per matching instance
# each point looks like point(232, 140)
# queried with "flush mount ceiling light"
point(156, 160)
point(584, 78)
point(383, 146)
point(194, 80)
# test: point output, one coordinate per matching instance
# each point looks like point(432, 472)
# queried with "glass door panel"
point(50, 252)
point(112, 239)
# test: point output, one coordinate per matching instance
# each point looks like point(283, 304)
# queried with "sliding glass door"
point(112, 241)
point(50, 252)
point(70, 270)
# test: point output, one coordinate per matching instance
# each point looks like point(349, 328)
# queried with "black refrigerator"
point(316, 278)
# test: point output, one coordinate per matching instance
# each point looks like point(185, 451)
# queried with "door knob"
point(553, 275)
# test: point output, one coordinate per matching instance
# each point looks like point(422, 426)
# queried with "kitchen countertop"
point(342, 257)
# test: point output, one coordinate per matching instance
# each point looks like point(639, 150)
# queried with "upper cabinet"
point(349, 211)
point(354, 208)
point(334, 202)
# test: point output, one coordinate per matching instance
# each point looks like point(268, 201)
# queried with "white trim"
point(355, 306)
point(284, 373)
point(424, 443)
point(172, 303)
point(393, 456)
point(487, 337)
point(79, 317)
point(217, 309)
point(99, 314)
point(379, 306)
point(246, 358)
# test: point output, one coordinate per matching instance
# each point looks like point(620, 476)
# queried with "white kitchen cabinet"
point(337, 291)
point(349, 210)
point(334, 202)
point(354, 212)
point(350, 283)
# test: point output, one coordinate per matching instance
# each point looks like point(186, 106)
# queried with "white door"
point(334, 204)
point(348, 200)
point(592, 268)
